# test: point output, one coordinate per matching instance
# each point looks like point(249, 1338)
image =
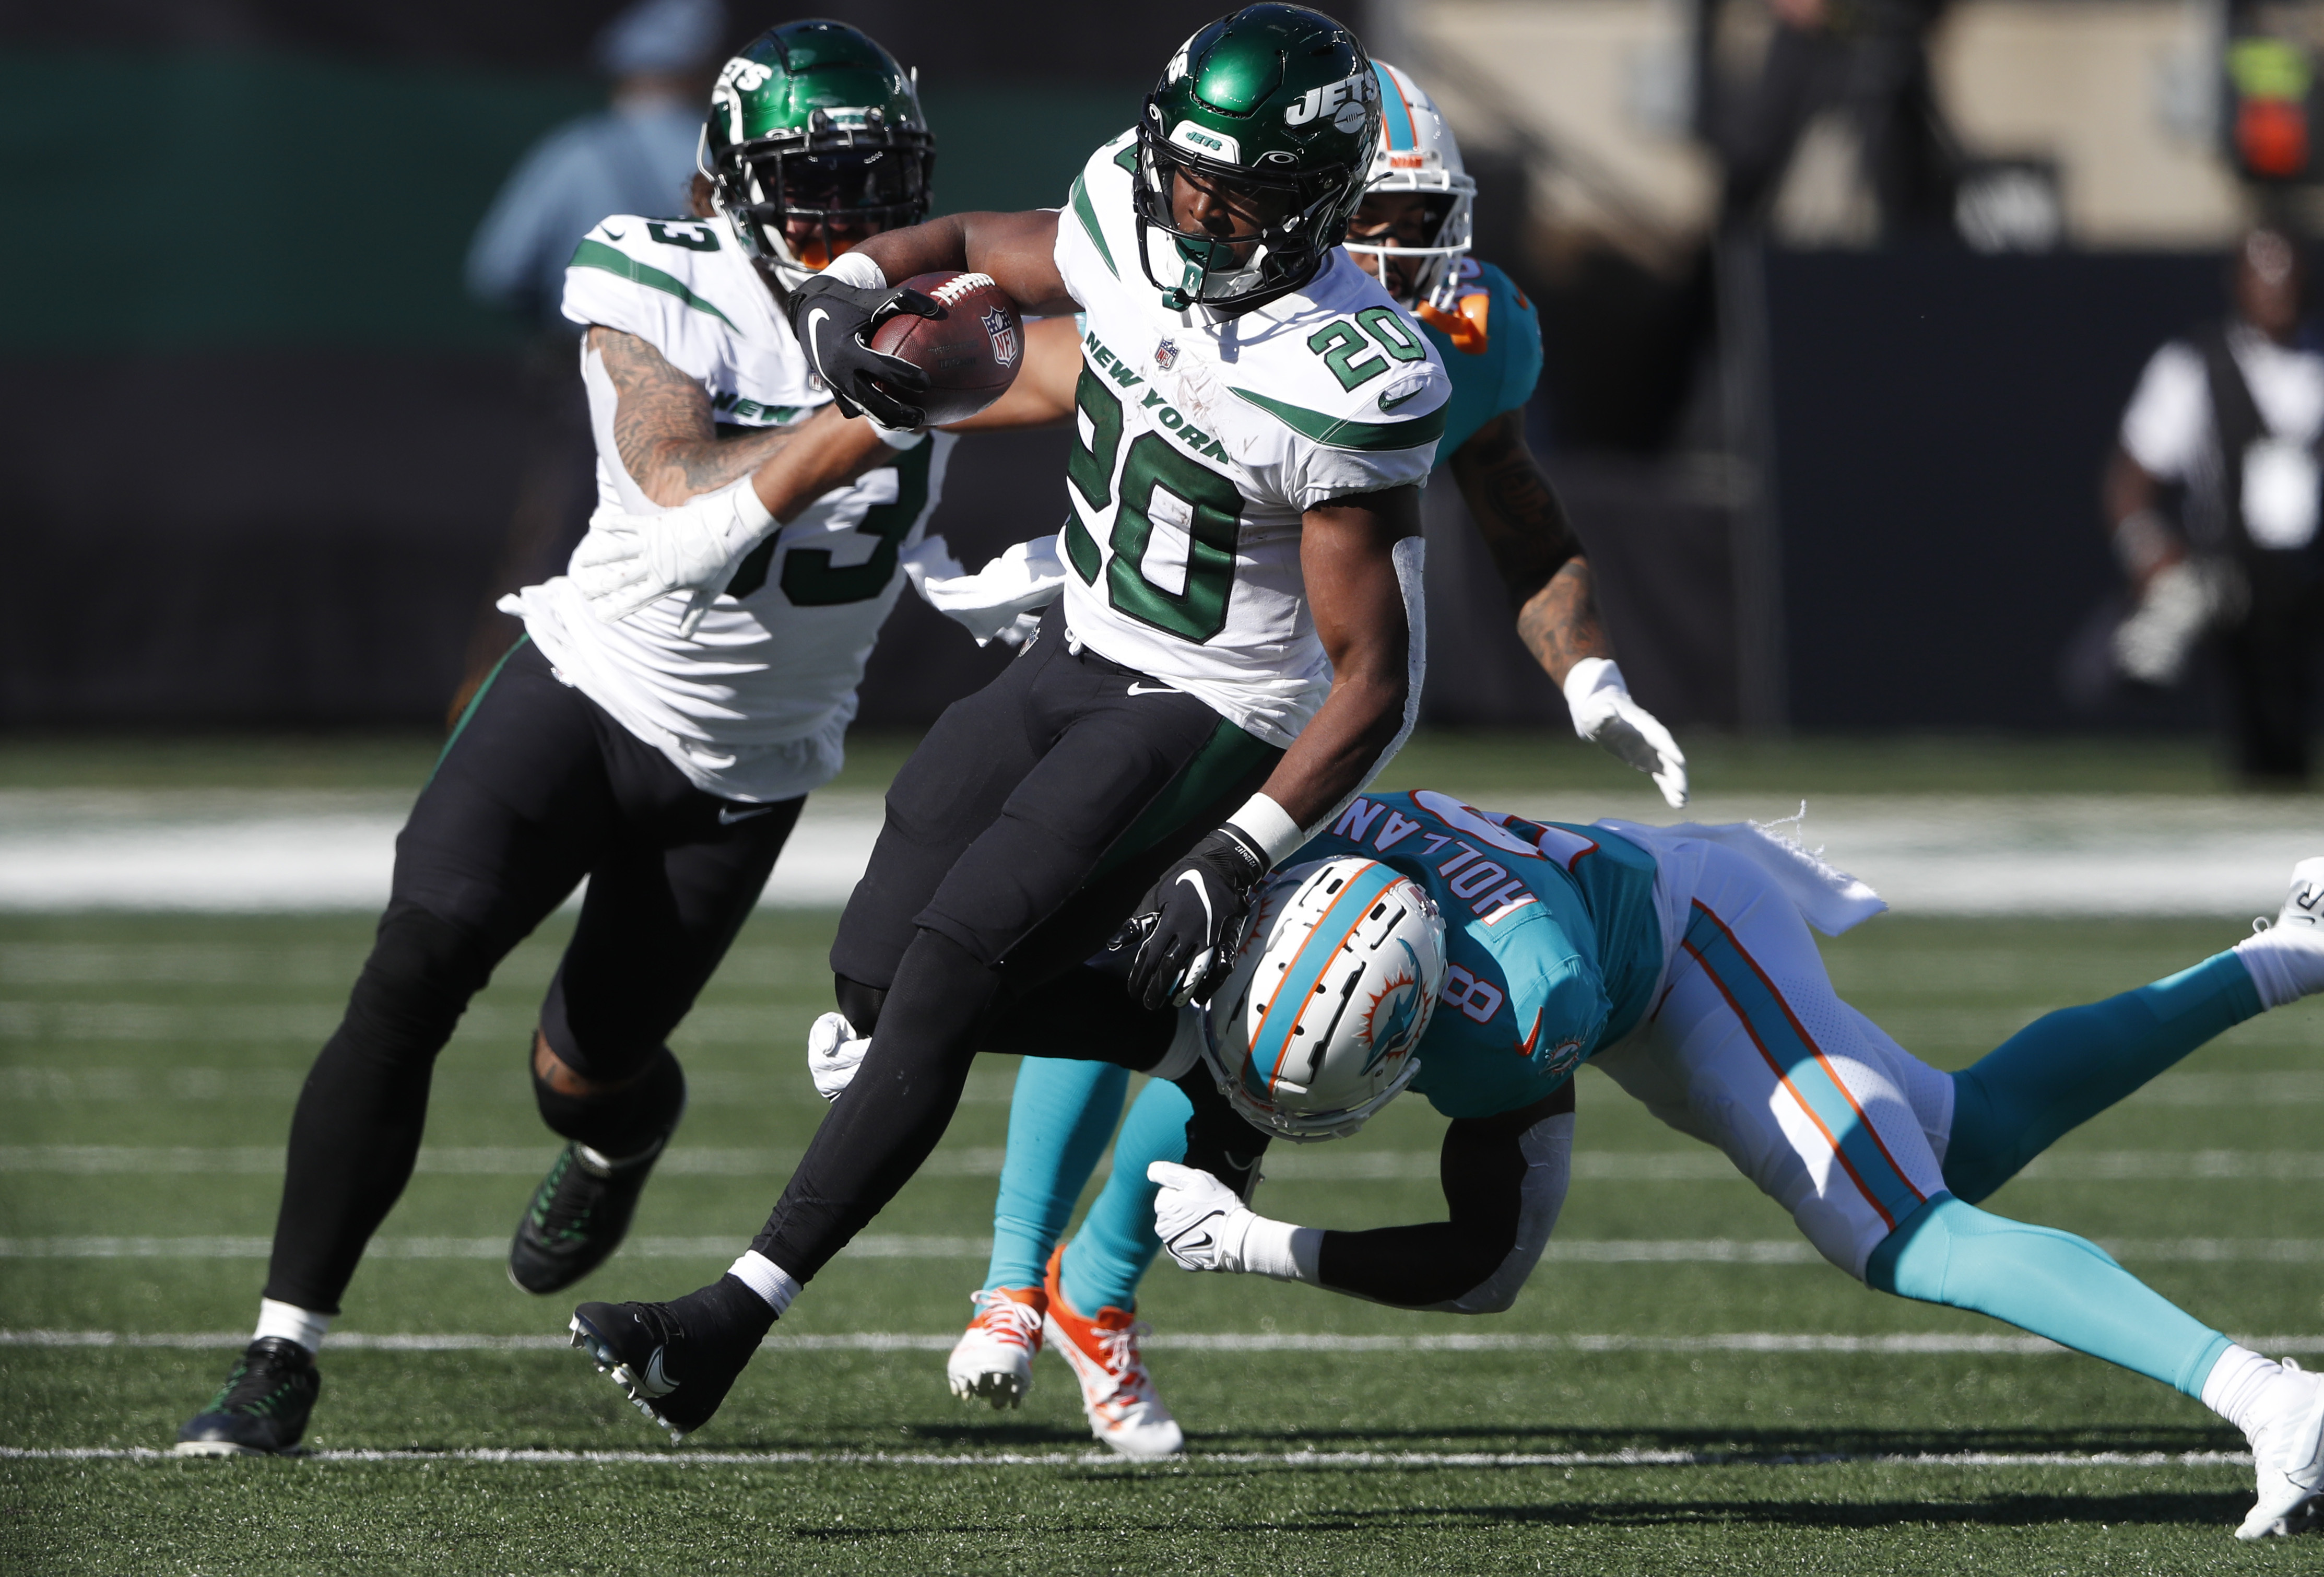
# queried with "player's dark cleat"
point(261, 1409)
point(677, 1359)
point(577, 1217)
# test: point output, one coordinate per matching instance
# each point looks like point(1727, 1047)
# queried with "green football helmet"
point(814, 130)
point(1277, 104)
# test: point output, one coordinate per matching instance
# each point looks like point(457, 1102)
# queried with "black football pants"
point(538, 788)
point(1018, 838)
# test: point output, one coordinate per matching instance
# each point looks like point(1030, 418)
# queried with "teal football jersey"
point(1491, 345)
point(1552, 942)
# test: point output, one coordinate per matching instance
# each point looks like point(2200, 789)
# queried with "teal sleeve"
point(1522, 368)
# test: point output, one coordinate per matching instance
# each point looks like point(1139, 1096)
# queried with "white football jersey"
point(1202, 441)
point(755, 704)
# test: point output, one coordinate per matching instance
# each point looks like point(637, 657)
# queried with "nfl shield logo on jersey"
point(1164, 354)
point(1004, 337)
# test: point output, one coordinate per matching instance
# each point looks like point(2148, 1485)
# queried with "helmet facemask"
point(1451, 203)
point(797, 199)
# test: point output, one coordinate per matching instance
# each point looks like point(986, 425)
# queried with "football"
point(970, 350)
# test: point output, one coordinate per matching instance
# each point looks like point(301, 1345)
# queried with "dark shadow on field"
point(2220, 1511)
point(1772, 1445)
point(1796, 1445)
point(2187, 1508)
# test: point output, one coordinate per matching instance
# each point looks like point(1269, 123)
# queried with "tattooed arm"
point(1557, 607)
point(670, 446)
point(1533, 547)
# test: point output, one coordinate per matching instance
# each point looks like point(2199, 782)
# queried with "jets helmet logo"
point(1347, 104)
point(740, 75)
point(1004, 337)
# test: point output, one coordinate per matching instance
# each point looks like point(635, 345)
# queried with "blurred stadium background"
point(1838, 469)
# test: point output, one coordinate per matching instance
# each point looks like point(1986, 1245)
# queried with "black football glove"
point(833, 323)
point(1186, 921)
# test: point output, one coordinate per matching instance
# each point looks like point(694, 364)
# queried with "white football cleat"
point(833, 1052)
point(992, 1361)
point(2288, 1455)
point(1117, 1393)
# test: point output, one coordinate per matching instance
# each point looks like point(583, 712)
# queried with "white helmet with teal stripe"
point(1316, 1027)
point(1417, 152)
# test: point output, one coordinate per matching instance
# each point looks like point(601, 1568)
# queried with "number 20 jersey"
point(1201, 441)
point(756, 703)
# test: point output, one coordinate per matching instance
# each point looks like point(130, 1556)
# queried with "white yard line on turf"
point(1898, 1343)
point(903, 1246)
point(869, 1246)
point(2121, 854)
point(1286, 1459)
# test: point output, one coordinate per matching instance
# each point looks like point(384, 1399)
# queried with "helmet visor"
point(837, 180)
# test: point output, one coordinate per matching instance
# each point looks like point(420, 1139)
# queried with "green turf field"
point(147, 1069)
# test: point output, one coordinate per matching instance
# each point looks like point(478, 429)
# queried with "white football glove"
point(834, 1052)
point(1201, 1220)
point(1605, 715)
point(627, 561)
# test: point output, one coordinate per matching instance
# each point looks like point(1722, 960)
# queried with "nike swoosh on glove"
point(1200, 1221)
point(1605, 715)
point(1186, 920)
point(833, 323)
point(627, 561)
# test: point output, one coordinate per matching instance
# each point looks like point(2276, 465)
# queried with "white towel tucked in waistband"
point(1831, 900)
point(1003, 600)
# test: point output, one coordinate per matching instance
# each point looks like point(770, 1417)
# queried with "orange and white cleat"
point(992, 1361)
point(1117, 1393)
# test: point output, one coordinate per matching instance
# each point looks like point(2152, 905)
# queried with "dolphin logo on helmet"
point(1319, 1022)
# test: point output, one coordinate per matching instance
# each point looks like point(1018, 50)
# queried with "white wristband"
point(900, 438)
point(1590, 675)
point(1281, 1251)
point(751, 510)
point(1270, 826)
point(853, 268)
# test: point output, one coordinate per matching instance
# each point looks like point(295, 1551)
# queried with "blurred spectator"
point(1867, 59)
point(635, 157)
point(2229, 419)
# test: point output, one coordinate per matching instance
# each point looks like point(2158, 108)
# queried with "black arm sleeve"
point(1422, 1267)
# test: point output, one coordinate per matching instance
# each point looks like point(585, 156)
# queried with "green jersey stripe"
point(1340, 434)
point(597, 254)
point(1088, 216)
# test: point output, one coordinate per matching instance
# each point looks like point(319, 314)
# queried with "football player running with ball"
point(1412, 232)
point(1234, 651)
point(678, 693)
point(1480, 959)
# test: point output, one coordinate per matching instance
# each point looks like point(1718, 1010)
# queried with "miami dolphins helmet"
point(1417, 154)
point(813, 128)
point(1275, 102)
point(1340, 965)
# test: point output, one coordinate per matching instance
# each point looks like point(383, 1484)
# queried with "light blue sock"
point(1109, 1256)
point(2051, 1282)
point(1060, 1118)
point(2066, 1067)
